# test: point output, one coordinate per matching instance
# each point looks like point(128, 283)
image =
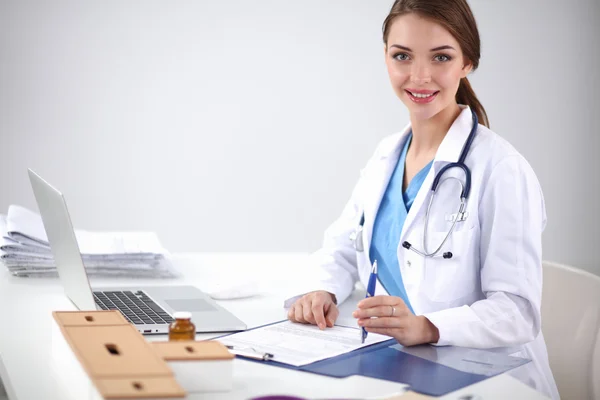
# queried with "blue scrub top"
point(389, 221)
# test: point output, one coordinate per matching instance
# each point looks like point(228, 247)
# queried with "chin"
point(422, 113)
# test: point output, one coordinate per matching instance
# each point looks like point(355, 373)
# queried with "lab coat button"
point(408, 263)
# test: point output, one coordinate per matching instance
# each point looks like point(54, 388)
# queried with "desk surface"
point(26, 320)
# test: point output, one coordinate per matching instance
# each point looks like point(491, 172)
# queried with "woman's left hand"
point(393, 318)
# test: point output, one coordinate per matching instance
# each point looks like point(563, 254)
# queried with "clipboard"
point(386, 360)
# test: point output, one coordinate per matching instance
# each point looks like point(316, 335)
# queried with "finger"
point(381, 331)
point(291, 316)
point(383, 322)
point(307, 312)
point(380, 311)
point(318, 313)
point(381, 300)
point(332, 314)
point(398, 334)
point(299, 315)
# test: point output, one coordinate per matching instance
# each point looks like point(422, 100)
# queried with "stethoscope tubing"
point(356, 236)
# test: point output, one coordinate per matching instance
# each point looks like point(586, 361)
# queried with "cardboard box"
point(205, 366)
point(108, 358)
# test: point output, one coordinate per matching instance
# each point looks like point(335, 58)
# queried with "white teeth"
point(421, 96)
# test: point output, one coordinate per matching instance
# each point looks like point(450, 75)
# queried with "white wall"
point(241, 126)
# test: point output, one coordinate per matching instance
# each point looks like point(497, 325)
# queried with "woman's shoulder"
point(495, 155)
point(491, 146)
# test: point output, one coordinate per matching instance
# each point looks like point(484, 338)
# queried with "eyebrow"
point(445, 47)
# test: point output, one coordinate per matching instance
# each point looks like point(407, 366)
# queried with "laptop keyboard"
point(136, 307)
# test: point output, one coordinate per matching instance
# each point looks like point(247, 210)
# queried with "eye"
point(401, 57)
point(442, 58)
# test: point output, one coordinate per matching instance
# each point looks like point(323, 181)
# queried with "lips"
point(422, 96)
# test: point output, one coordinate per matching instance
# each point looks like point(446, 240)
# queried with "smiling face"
point(425, 64)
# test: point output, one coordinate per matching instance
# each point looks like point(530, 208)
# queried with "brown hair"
point(456, 17)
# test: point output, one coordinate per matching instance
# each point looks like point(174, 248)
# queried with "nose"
point(420, 73)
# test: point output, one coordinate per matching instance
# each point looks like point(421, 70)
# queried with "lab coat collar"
point(380, 173)
point(452, 145)
point(392, 145)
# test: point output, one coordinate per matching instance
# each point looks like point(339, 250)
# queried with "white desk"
point(25, 334)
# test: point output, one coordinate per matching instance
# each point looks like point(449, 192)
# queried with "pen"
point(370, 293)
point(250, 354)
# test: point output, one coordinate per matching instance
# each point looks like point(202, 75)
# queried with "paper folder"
point(386, 360)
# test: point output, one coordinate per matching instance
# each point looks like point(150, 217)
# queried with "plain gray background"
point(238, 126)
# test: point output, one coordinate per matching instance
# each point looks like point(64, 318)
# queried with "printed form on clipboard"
point(297, 344)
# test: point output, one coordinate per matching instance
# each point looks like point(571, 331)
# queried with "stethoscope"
point(357, 236)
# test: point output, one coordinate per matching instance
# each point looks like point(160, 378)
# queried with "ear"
point(466, 70)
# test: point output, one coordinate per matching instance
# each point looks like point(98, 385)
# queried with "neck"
point(427, 134)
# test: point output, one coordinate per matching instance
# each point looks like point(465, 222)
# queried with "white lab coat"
point(488, 294)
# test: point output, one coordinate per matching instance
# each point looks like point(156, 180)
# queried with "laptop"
point(149, 309)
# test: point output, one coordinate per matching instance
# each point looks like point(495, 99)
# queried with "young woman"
point(459, 266)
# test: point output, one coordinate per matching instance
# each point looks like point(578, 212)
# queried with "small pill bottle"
point(182, 328)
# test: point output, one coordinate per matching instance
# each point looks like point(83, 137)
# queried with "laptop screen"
point(63, 243)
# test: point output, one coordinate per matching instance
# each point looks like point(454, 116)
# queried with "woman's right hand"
point(317, 308)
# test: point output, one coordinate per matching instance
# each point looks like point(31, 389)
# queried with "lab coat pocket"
point(451, 279)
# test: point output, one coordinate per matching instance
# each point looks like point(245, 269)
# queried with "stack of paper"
point(25, 251)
